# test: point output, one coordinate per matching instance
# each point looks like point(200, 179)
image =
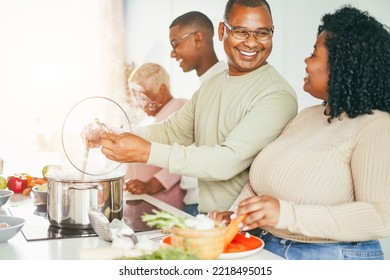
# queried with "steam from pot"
point(137, 104)
point(69, 172)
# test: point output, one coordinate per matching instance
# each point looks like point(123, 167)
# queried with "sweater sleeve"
point(366, 218)
point(177, 128)
point(236, 152)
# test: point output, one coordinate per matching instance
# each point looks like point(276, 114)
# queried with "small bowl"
point(205, 244)
point(15, 225)
point(5, 195)
point(41, 194)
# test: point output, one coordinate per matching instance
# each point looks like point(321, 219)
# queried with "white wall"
point(296, 24)
point(49, 60)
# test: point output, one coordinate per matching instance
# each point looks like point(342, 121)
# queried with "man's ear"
point(199, 38)
point(221, 30)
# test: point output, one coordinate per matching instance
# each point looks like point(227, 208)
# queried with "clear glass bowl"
point(86, 120)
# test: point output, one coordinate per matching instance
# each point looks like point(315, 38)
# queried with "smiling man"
point(246, 33)
point(230, 119)
point(191, 36)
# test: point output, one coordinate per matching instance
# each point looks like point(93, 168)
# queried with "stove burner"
point(37, 226)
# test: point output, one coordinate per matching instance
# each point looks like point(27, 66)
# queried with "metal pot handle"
point(92, 186)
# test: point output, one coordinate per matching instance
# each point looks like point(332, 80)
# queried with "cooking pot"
point(68, 201)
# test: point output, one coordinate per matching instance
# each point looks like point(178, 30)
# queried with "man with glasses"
point(191, 36)
point(231, 118)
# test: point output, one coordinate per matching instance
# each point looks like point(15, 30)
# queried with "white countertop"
point(18, 248)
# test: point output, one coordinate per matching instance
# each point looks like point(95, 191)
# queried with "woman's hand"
point(125, 147)
point(136, 186)
point(262, 211)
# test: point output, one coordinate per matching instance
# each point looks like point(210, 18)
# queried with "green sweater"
point(230, 119)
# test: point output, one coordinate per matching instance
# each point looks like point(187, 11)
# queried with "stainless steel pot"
point(68, 201)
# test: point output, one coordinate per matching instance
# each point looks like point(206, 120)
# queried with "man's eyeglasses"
point(239, 33)
point(175, 42)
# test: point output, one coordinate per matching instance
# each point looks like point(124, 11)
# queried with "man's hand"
point(91, 134)
point(125, 147)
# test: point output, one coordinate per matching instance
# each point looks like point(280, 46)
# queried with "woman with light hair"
point(151, 82)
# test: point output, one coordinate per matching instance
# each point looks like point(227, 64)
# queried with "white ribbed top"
point(332, 180)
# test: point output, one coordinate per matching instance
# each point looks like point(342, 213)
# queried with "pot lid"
point(81, 133)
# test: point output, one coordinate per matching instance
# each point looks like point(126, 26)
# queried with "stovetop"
point(38, 227)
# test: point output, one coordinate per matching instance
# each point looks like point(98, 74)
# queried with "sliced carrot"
point(233, 229)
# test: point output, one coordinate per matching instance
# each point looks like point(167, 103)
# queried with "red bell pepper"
point(17, 184)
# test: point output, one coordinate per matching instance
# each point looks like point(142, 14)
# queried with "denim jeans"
point(191, 209)
point(293, 250)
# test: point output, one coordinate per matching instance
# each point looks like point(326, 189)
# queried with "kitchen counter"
point(18, 248)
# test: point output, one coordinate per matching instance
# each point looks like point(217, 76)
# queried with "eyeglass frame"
point(138, 92)
point(248, 32)
point(178, 40)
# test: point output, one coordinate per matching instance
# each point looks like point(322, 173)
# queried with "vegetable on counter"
point(3, 183)
point(164, 220)
point(17, 183)
point(23, 183)
point(165, 253)
point(233, 229)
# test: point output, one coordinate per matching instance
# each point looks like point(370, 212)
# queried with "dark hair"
point(245, 3)
point(359, 62)
point(194, 18)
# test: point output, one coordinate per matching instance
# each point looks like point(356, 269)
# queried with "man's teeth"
point(307, 75)
point(248, 53)
point(180, 61)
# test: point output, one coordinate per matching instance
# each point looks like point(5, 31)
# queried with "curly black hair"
point(359, 62)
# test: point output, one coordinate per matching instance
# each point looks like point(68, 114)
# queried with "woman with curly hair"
point(322, 189)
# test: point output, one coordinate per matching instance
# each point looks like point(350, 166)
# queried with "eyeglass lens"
point(243, 34)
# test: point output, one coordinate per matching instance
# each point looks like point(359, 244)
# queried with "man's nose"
point(173, 53)
point(251, 41)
